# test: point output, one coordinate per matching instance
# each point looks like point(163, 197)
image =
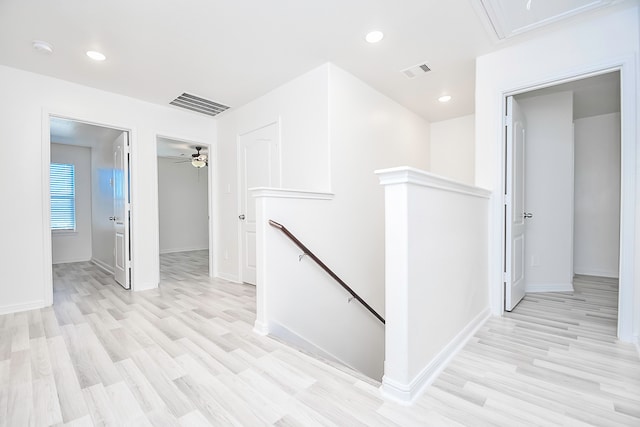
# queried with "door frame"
point(628, 137)
point(212, 196)
point(46, 201)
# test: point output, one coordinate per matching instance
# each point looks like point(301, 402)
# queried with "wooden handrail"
point(311, 255)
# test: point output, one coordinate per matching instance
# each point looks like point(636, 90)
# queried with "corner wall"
point(453, 148)
point(597, 195)
point(355, 130)
point(27, 100)
point(183, 206)
point(301, 109)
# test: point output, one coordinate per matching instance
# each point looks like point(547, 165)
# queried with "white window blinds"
point(63, 197)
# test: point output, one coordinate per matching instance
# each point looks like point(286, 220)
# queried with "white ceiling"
point(178, 149)
point(509, 18)
point(70, 132)
point(592, 96)
point(234, 51)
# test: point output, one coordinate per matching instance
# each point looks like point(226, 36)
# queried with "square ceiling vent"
point(508, 18)
point(199, 105)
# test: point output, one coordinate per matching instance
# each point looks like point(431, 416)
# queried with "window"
point(63, 197)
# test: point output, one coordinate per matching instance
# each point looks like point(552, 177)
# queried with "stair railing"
point(317, 260)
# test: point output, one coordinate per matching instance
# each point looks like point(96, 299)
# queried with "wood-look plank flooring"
point(185, 355)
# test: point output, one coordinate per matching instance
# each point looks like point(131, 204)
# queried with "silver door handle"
point(527, 215)
point(112, 218)
point(242, 217)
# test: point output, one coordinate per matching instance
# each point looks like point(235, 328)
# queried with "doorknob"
point(112, 218)
point(527, 215)
point(242, 217)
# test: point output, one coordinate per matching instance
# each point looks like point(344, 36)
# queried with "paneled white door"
point(122, 262)
point(259, 164)
point(515, 215)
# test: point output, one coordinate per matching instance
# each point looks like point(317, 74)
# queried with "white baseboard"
point(261, 328)
point(69, 261)
point(296, 340)
point(102, 266)
point(16, 308)
point(596, 272)
point(174, 250)
point(548, 287)
point(229, 277)
point(406, 394)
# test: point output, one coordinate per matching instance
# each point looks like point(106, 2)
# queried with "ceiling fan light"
point(198, 163)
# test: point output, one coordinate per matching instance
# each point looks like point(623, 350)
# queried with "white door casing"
point(259, 166)
point(122, 263)
point(514, 279)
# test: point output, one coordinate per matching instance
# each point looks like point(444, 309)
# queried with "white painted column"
point(436, 290)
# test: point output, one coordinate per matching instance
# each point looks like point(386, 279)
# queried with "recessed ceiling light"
point(374, 36)
point(445, 98)
point(42, 47)
point(96, 56)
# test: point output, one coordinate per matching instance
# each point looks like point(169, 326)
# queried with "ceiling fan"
point(198, 160)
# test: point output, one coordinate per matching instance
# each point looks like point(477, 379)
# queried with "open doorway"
point(89, 198)
point(571, 183)
point(183, 210)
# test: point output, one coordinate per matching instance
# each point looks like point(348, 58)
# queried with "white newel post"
point(436, 275)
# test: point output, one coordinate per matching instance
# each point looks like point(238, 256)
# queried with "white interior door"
point(122, 261)
point(259, 167)
point(515, 227)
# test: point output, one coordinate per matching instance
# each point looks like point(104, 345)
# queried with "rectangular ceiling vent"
point(199, 105)
point(416, 70)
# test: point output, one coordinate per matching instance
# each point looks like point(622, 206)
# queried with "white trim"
point(47, 114)
point(409, 175)
point(261, 328)
point(297, 341)
point(70, 261)
point(627, 298)
point(34, 305)
point(102, 265)
point(176, 250)
point(212, 191)
point(229, 277)
point(47, 252)
point(283, 193)
point(609, 274)
point(407, 394)
point(548, 287)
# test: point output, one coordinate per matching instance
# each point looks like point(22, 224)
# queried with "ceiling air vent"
point(416, 70)
point(199, 105)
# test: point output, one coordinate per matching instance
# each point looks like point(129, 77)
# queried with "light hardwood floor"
point(185, 355)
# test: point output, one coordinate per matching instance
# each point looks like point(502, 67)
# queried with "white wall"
point(548, 192)
point(25, 248)
point(301, 108)
point(453, 148)
point(75, 246)
point(604, 40)
point(366, 131)
point(597, 195)
point(183, 206)
point(436, 275)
